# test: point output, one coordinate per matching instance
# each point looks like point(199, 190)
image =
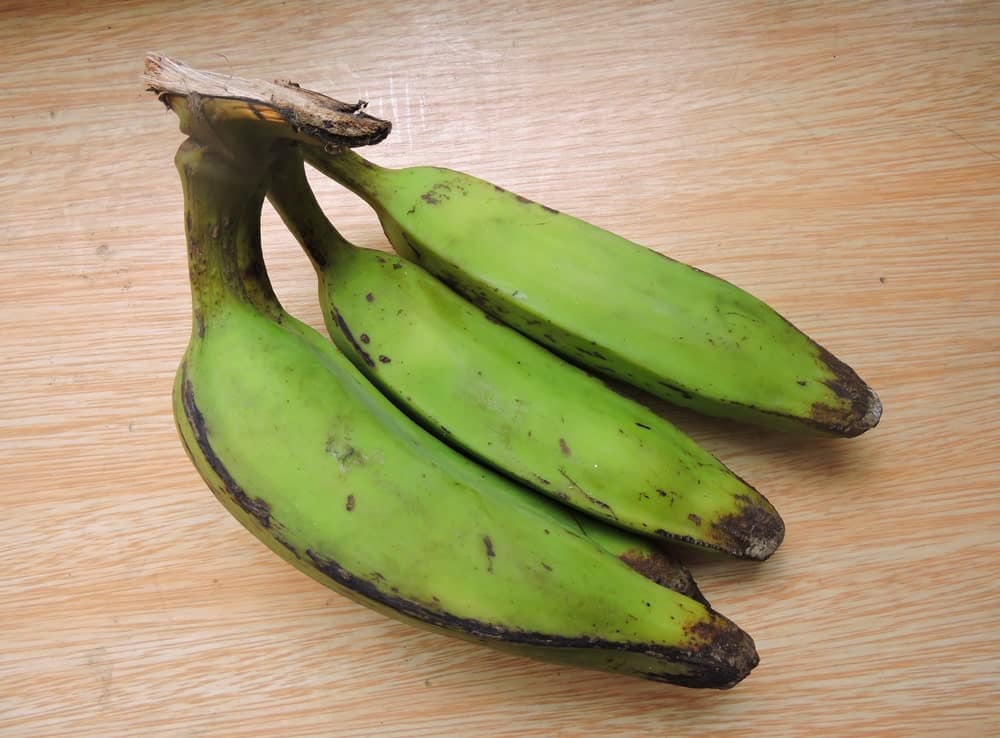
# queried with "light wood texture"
point(840, 160)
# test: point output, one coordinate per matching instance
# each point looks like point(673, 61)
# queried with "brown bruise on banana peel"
point(660, 568)
point(718, 656)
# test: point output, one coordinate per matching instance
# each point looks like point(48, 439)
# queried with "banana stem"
point(221, 210)
point(296, 204)
point(352, 170)
point(283, 109)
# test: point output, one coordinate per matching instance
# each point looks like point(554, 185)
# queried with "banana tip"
point(874, 413)
point(728, 658)
point(868, 415)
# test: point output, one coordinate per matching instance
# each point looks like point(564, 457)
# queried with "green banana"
point(321, 467)
point(609, 304)
point(510, 403)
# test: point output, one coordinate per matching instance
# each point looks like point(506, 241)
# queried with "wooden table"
point(840, 160)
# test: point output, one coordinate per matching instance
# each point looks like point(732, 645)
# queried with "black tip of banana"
point(756, 532)
point(864, 408)
point(872, 414)
point(732, 656)
point(725, 657)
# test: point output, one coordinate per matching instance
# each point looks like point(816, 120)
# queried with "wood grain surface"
point(840, 160)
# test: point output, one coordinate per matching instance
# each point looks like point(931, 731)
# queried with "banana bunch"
point(447, 459)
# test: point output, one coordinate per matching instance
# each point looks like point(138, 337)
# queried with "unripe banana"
point(609, 304)
point(503, 399)
point(313, 460)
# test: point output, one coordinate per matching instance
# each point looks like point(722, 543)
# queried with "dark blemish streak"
point(642, 425)
point(350, 503)
point(342, 324)
point(384, 359)
point(370, 297)
point(561, 496)
point(600, 503)
point(696, 519)
point(525, 201)
point(490, 553)
point(718, 659)
point(674, 388)
point(564, 447)
point(364, 338)
point(254, 506)
point(594, 354)
point(411, 247)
